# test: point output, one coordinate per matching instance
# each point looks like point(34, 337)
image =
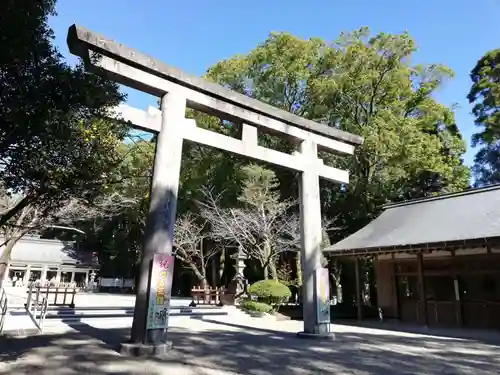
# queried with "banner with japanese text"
point(323, 293)
point(159, 291)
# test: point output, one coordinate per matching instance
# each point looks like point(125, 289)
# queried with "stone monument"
point(178, 90)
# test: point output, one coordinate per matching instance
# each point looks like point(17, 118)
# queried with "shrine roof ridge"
point(81, 40)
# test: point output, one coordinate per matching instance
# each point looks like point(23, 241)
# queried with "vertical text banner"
point(323, 290)
point(160, 290)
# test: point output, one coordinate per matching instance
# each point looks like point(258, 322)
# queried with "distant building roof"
point(471, 215)
point(35, 250)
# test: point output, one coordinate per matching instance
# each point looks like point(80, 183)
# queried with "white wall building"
point(34, 258)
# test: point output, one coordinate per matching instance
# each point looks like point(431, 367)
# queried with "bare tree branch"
point(259, 229)
point(64, 228)
point(189, 234)
point(33, 219)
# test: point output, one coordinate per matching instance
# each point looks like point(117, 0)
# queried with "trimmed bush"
point(270, 292)
point(255, 307)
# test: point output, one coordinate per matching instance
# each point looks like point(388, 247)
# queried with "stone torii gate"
point(178, 90)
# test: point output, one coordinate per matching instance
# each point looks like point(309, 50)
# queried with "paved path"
point(256, 347)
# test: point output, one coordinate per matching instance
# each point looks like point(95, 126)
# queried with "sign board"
point(160, 288)
point(323, 291)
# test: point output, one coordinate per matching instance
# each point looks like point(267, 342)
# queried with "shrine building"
point(37, 259)
point(437, 260)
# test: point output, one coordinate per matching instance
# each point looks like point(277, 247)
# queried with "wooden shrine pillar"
point(421, 289)
point(456, 286)
point(359, 300)
point(395, 287)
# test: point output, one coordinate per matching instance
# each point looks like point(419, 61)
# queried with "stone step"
point(18, 319)
point(117, 314)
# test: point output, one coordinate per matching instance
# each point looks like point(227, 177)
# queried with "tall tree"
point(485, 95)
point(52, 142)
point(365, 85)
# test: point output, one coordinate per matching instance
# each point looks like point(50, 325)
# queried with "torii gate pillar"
point(311, 238)
point(159, 223)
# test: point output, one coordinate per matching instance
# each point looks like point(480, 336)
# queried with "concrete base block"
point(320, 336)
point(146, 350)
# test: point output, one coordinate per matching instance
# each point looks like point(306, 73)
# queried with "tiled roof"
point(35, 250)
point(469, 215)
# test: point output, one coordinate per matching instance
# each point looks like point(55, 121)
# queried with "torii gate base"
point(177, 90)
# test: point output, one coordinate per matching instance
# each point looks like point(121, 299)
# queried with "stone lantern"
point(239, 277)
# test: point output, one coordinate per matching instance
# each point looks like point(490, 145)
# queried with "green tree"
point(365, 85)
point(52, 143)
point(118, 238)
point(203, 165)
point(485, 95)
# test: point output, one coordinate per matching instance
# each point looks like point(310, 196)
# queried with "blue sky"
point(193, 35)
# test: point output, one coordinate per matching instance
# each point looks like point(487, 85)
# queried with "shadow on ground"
point(231, 348)
point(485, 336)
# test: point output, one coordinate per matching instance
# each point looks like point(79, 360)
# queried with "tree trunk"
point(204, 283)
point(214, 272)
point(222, 263)
point(3, 270)
point(336, 273)
point(5, 257)
point(338, 286)
point(201, 275)
point(269, 266)
point(272, 269)
point(21, 205)
point(266, 272)
point(298, 265)
point(12, 235)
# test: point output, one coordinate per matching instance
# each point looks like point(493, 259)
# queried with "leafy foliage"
point(255, 307)
point(365, 85)
point(271, 292)
point(53, 144)
point(485, 95)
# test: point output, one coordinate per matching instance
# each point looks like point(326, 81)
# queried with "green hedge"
point(270, 292)
point(255, 307)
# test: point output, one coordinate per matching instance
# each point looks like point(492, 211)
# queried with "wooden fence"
point(206, 296)
point(55, 294)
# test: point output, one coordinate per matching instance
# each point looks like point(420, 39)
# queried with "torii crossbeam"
point(178, 90)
